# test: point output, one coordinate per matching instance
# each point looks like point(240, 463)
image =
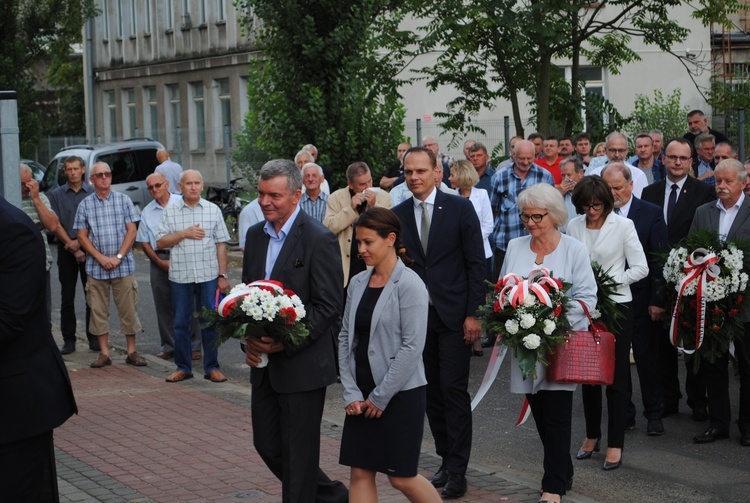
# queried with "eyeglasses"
point(618, 150)
point(536, 217)
point(680, 158)
point(593, 206)
point(155, 186)
point(105, 174)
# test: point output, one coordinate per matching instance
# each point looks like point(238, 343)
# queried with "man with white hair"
point(305, 157)
point(617, 151)
point(730, 217)
point(313, 200)
point(326, 172)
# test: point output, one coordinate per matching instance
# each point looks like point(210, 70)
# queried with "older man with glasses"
point(151, 216)
point(106, 225)
point(617, 151)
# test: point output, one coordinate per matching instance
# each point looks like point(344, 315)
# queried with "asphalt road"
point(670, 468)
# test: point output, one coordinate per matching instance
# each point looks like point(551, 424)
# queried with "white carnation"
point(512, 327)
point(529, 300)
point(549, 327)
point(527, 321)
point(532, 341)
point(595, 314)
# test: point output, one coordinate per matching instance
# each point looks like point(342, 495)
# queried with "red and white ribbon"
point(519, 289)
point(268, 285)
point(493, 367)
point(702, 266)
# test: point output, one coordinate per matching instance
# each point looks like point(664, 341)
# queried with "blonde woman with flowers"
point(542, 211)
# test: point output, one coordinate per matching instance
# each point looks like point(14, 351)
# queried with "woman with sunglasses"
point(613, 243)
point(542, 211)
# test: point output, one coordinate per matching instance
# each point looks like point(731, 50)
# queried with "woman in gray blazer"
point(380, 357)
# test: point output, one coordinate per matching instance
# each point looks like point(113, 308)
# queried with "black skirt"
point(390, 444)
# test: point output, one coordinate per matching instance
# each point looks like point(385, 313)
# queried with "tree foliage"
point(35, 34)
point(665, 113)
point(328, 75)
point(493, 50)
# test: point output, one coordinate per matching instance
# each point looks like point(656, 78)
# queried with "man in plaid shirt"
point(506, 185)
point(105, 222)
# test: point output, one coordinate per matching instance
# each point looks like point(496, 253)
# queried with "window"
point(198, 118)
point(110, 117)
point(220, 16)
point(170, 15)
point(173, 116)
point(595, 89)
point(119, 19)
point(224, 111)
point(151, 112)
point(147, 8)
point(133, 28)
point(129, 117)
point(203, 11)
point(105, 15)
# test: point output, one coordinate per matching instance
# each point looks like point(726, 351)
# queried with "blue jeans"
point(184, 297)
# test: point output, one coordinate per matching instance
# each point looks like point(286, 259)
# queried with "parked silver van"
point(131, 162)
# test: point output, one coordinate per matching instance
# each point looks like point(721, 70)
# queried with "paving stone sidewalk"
point(139, 439)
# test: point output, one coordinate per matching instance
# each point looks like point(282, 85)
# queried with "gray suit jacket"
point(707, 217)
point(397, 336)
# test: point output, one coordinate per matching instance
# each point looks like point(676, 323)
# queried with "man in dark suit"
point(730, 218)
point(441, 233)
point(35, 390)
point(647, 306)
point(689, 194)
point(288, 395)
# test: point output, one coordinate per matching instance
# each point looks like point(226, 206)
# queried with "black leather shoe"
point(745, 439)
point(587, 454)
point(455, 487)
point(478, 352)
point(68, 347)
point(700, 415)
point(710, 435)
point(630, 425)
point(655, 428)
point(487, 342)
point(440, 478)
point(607, 466)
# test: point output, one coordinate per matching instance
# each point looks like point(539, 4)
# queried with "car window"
point(147, 162)
point(55, 169)
point(123, 166)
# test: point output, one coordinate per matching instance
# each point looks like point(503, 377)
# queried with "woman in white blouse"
point(542, 212)
point(464, 177)
point(613, 243)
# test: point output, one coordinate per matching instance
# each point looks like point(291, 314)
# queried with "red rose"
point(739, 300)
point(496, 307)
point(733, 312)
point(716, 311)
point(716, 328)
point(558, 310)
point(559, 283)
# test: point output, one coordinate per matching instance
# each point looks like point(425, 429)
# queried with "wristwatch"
point(225, 276)
point(119, 256)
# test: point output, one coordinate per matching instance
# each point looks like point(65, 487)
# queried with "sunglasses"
point(155, 186)
point(106, 174)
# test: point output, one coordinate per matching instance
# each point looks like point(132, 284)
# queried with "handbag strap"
point(588, 315)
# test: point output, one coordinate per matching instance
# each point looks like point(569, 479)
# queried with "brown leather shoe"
point(178, 376)
point(135, 359)
point(102, 361)
point(197, 355)
point(166, 355)
point(215, 376)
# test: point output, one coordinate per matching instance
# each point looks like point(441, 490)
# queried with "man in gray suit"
point(730, 217)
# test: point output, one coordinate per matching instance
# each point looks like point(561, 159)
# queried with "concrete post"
point(10, 153)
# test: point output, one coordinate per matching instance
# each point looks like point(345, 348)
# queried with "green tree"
point(515, 46)
point(34, 34)
point(328, 75)
point(665, 113)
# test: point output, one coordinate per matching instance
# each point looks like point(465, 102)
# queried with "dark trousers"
point(286, 434)
point(68, 270)
point(553, 412)
point(646, 353)
point(498, 259)
point(717, 384)
point(670, 379)
point(617, 393)
point(161, 289)
point(446, 361)
point(695, 387)
point(27, 470)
